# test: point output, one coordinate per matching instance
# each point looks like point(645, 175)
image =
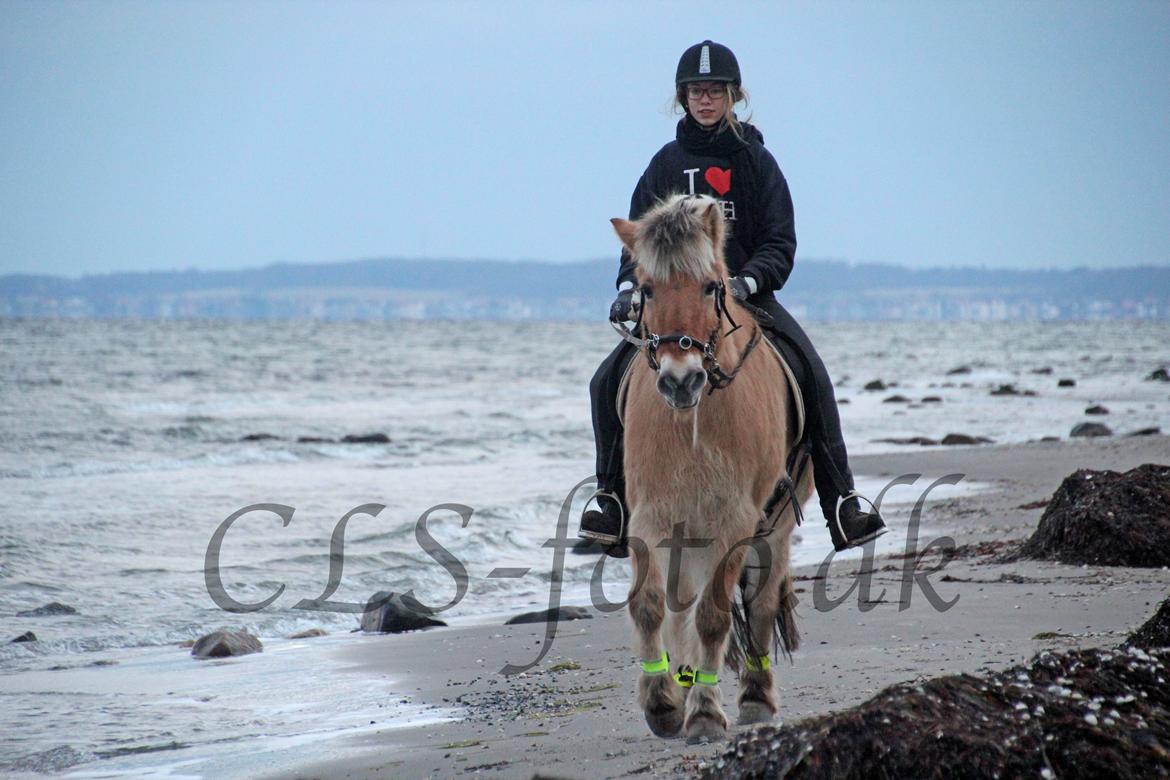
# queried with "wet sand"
point(574, 714)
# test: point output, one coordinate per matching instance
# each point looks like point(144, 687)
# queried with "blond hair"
point(735, 94)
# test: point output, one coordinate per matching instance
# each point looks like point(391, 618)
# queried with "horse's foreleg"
point(704, 713)
point(659, 695)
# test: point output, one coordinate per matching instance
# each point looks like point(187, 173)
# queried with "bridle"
point(649, 341)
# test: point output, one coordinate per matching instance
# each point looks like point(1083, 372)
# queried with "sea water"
point(124, 445)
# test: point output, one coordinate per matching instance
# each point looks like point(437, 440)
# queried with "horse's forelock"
point(672, 239)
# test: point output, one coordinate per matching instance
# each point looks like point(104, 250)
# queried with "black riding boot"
point(848, 525)
point(608, 524)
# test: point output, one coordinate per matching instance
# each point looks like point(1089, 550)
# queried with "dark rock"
point(52, 609)
point(259, 437)
point(309, 633)
point(1049, 438)
point(1155, 632)
point(1034, 720)
point(1030, 393)
point(1006, 390)
point(391, 613)
point(1158, 375)
point(922, 440)
point(842, 401)
point(959, 370)
point(1105, 518)
point(896, 399)
point(1042, 371)
point(876, 384)
point(1145, 432)
point(367, 438)
point(1090, 429)
point(545, 615)
point(224, 644)
point(314, 440)
point(932, 399)
point(1096, 409)
point(952, 439)
point(27, 636)
point(1067, 383)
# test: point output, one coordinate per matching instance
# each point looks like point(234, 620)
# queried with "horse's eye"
point(711, 288)
point(647, 292)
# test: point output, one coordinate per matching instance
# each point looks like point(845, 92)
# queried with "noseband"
point(649, 341)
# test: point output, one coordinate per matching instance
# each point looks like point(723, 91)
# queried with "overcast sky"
point(159, 135)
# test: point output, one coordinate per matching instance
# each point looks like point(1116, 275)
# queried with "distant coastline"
point(389, 289)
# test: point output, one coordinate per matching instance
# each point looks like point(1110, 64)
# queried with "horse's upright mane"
point(672, 238)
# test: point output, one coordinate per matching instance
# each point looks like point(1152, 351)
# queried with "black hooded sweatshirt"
point(744, 177)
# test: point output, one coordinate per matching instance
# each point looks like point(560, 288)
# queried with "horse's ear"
point(713, 224)
point(626, 231)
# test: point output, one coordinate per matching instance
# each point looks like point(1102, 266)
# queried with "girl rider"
point(716, 154)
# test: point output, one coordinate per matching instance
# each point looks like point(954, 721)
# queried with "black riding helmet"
point(707, 61)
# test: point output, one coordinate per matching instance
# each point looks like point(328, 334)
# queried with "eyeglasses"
point(715, 92)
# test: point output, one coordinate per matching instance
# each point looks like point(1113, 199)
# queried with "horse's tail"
point(785, 635)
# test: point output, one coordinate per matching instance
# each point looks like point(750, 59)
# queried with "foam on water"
point(164, 712)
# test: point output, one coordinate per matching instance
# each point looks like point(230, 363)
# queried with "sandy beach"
point(574, 715)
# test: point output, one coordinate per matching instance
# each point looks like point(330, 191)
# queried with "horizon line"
point(587, 261)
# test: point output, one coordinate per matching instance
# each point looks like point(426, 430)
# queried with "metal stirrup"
point(620, 505)
point(837, 511)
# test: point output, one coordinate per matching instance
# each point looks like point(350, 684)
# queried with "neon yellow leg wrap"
point(754, 664)
point(706, 678)
point(661, 666)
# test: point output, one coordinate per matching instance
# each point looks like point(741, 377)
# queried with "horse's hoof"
point(705, 729)
point(662, 701)
point(753, 712)
point(666, 722)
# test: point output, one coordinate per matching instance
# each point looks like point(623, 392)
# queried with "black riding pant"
point(830, 460)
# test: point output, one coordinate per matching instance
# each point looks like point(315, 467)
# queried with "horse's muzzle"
point(682, 393)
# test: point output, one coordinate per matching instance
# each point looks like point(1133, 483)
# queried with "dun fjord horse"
point(706, 439)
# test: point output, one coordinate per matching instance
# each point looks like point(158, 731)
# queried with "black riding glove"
point(622, 308)
point(741, 290)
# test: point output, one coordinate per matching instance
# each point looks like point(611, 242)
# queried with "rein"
point(717, 377)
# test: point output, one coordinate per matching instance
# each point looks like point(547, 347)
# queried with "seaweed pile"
point(1105, 518)
point(1084, 713)
point(1155, 632)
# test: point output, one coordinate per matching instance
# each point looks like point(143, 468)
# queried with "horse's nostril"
point(696, 381)
point(682, 392)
